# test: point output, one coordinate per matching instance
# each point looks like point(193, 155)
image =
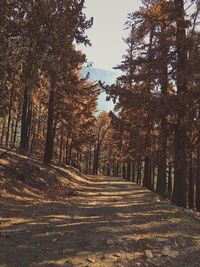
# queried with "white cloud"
point(108, 29)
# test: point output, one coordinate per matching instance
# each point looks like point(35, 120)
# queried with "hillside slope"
point(26, 179)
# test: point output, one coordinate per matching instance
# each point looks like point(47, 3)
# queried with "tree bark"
point(29, 121)
point(153, 177)
point(16, 127)
point(117, 170)
point(70, 160)
point(48, 153)
point(66, 148)
point(12, 131)
point(191, 185)
point(24, 125)
point(147, 173)
point(9, 115)
point(170, 178)
point(133, 171)
point(3, 130)
point(96, 156)
point(139, 173)
point(128, 176)
point(33, 139)
point(124, 170)
point(90, 159)
point(61, 144)
point(162, 165)
point(198, 181)
point(108, 170)
point(179, 197)
point(80, 162)
point(38, 126)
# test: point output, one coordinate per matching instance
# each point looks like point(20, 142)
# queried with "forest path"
point(110, 223)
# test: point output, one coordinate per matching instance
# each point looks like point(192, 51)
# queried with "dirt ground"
point(109, 222)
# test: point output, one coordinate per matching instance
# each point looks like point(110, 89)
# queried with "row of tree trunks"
point(13, 131)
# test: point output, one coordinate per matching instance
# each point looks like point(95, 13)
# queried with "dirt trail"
point(110, 223)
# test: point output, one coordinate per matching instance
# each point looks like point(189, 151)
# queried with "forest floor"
point(87, 221)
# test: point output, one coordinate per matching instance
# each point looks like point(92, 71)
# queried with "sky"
point(107, 31)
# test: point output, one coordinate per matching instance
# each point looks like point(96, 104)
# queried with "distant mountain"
point(109, 77)
point(97, 74)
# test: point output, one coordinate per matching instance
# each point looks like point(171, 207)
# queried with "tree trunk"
point(66, 148)
point(96, 157)
point(33, 139)
point(16, 127)
point(90, 160)
point(124, 170)
point(48, 153)
point(133, 171)
point(70, 153)
point(147, 161)
point(29, 121)
point(94, 160)
point(117, 170)
point(9, 116)
point(179, 197)
point(153, 177)
point(170, 178)
point(162, 179)
point(128, 176)
point(191, 185)
point(3, 130)
point(38, 126)
point(24, 125)
point(139, 173)
point(198, 181)
point(12, 131)
point(147, 173)
point(180, 161)
point(162, 164)
point(61, 144)
point(54, 126)
point(80, 162)
point(108, 170)
point(113, 170)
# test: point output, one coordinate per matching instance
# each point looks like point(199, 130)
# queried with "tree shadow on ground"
point(75, 232)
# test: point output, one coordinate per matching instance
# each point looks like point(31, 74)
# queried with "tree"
point(102, 127)
point(180, 160)
point(61, 50)
point(156, 97)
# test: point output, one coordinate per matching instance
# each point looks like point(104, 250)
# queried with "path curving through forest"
point(111, 222)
